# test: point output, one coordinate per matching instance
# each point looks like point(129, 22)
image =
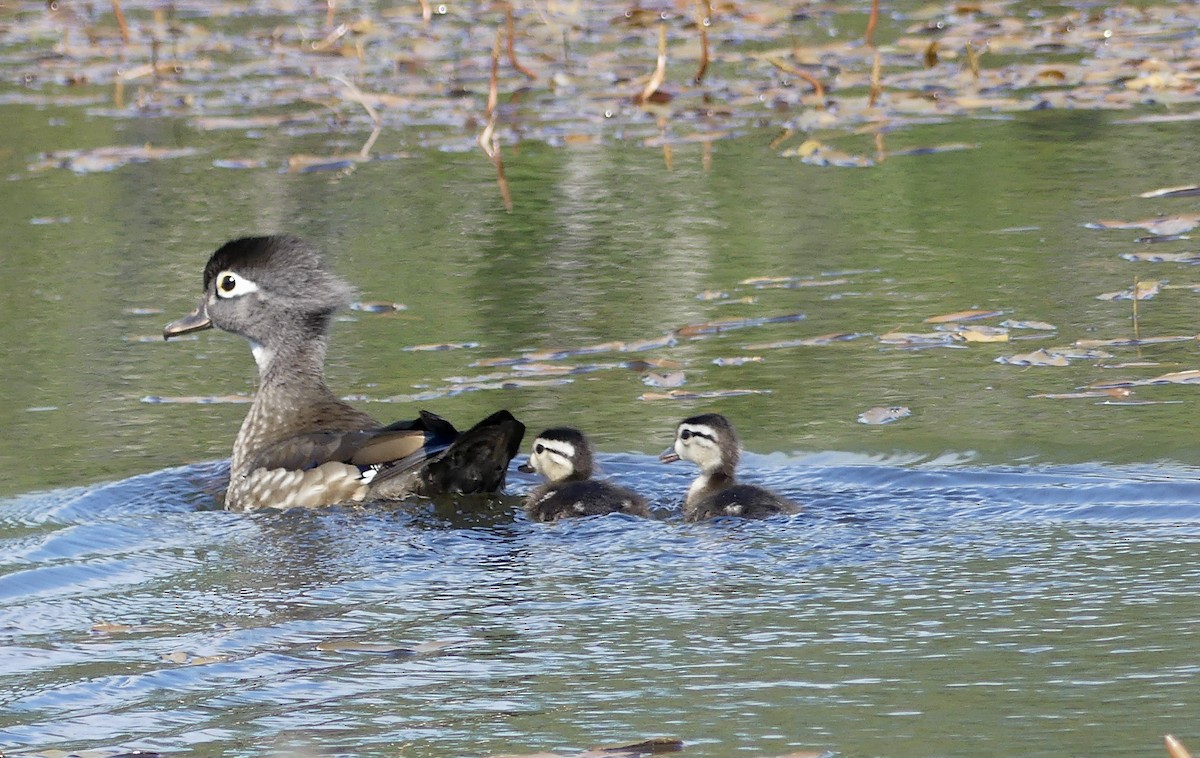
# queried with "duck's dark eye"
point(228, 283)
point(685, 435)
point(539, 449)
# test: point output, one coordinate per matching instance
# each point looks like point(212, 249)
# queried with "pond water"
point(996, 573)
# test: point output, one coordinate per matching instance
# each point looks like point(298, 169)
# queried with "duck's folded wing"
point(367, 449)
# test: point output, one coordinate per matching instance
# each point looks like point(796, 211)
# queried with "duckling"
point(564, 457)
point(710, 441)
point(299, 445)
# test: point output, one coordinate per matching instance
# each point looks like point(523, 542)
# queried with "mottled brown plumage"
point(299, 445)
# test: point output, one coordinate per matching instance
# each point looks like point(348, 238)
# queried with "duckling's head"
point(708, 440)
point(560, 454)
point(267, 289)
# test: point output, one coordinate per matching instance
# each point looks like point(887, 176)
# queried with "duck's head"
point(708, 440)
point(268, 290)
point(559, 454)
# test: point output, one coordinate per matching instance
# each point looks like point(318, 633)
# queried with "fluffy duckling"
point(564, 457)
point(709, 441)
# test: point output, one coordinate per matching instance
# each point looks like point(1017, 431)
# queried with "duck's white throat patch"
point(262, 356)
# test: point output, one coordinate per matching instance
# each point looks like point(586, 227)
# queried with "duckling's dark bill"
point(193, 322)
point(668, 456)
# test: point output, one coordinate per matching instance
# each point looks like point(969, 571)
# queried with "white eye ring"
point(230, 285)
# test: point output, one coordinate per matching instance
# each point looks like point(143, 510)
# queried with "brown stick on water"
point(872, 21)
point(814, 81)
point(487, 139)
point(660, 68)
point(509, 27)
point(876, 67)
point(703, 18)
point(120, 14)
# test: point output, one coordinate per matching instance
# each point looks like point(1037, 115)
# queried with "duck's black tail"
point(478, 459)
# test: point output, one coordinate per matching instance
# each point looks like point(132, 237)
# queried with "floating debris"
point(196, 399)
point(741, 360)
point(818, 341)
point(713, 327)
point(705, 395)
point(710, 295)
point(357, 646)
point(670, 379)
point(1190, 190)
point(1036, 358)
point(1162, 257)
point(1191, 376)
point(918, 339)
point(1145, 291)
point(239, 163)
point(1037, 325)
point(748, 300)
point(884, 414)
point(952, 147)
point(957, 316)
point(1135, 342)
point(815, 153)
point(1112, 392)
point(378, 307)
point(99, 159)
point(981, 334)
point(1167, 225)
point(440, 347)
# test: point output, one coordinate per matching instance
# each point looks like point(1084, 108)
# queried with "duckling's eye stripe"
point(703, 432)
point(561, 449)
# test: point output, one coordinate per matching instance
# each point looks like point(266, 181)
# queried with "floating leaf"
point(1191, 376)
point(712, 327)
point(911, 339)
point(707, 395)
point(932, 149)
point(1190, 190)
point(819, 340)
point(1112, 392)
point(975, 315)
point(1145, 291)
point(748, 300)
point(645, 364)
point(440, 346)
point(1036, 358)
point(981, 334)
point(378, 307)
point(1132, 342)
point(1037, 325)
point(883, 414)
point(1166, 225)
point(357, 646)
point(671, 379)
point(654, 343)
point(1162, 257)
point(107, 158)
point(239, 163)
point(196, 399)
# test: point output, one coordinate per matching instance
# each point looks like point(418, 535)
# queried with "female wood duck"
point(300, 446)
point(709, 441)
point(564, 456)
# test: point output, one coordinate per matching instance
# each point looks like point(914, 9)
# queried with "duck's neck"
point(292, 399)
point(710, 481)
